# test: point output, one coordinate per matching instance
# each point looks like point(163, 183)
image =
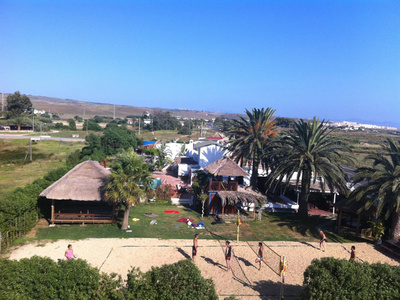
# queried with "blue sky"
point(337, 60)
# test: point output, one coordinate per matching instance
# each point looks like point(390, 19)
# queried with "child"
point(69, 254)
point(322, 240)
point(353, 254)
point(195, 245)
point(260, 254)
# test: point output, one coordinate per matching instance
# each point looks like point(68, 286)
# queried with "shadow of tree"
point(268, 289)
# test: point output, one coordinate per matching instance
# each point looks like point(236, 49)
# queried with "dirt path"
point(245, 280)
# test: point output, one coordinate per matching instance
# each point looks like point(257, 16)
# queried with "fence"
point(18, 227)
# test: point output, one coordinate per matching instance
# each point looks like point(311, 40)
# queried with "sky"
point(336, 60)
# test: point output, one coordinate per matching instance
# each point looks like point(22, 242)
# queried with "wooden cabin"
point(77, 196)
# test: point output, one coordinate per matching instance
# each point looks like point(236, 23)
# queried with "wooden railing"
point(82, 218)
point(223, 186)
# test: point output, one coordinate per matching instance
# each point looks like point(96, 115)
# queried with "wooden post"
point(283, 271)
point(52, 212)
point(238, 226)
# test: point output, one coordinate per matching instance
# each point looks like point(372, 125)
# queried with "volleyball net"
point(270, 258)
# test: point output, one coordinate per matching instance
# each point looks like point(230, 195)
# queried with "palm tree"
point(249, 138)
point(308, 153)
point(380, 184)
point(129, 180)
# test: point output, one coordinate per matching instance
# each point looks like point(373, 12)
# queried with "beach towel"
point(150, 215)
point(171, 211)
point(185, 220)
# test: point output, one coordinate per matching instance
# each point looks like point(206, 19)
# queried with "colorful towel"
point(184, 220)
point(171, 211)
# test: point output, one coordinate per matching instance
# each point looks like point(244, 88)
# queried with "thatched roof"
point(184, 160)
point(225, 167)
point(241, 196)
point(82, 183)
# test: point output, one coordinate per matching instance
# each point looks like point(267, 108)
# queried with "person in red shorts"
point(228, 255)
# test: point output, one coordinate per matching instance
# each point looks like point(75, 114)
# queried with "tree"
point(19, 108)
point(128, 182)
point(249, 138)
point(72, 124)
point(116, 138)
point(380, 184)
point(308, 152)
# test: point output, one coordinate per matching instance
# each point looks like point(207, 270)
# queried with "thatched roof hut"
point(225, 167)
point(82, 183)
point(241, 196)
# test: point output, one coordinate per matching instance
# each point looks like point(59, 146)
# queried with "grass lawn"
point(46, 156)
point(273, 227)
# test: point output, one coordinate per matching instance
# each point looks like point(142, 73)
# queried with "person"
point(353, 254)
point(69, 254)
point(260, 254)
point(228, 255)
point(194, 248)
point(322, 240)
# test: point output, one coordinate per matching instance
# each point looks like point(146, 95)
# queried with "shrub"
point(42, 278)
point(181, 280)
point(330, 278)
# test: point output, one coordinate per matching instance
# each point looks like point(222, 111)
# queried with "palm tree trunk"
point(254, 176)
point(125, 221)
point(396, 226)
point(305, 192)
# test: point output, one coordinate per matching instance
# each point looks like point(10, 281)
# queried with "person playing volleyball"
point(260, 255)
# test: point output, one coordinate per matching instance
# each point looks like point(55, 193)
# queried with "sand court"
point(245, 280)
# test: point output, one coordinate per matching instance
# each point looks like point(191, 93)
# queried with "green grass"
point(273, 227)
point(16, 168)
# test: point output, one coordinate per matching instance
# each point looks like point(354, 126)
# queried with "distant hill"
point(68, 108)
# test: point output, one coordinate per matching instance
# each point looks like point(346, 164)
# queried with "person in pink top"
point(69, 254)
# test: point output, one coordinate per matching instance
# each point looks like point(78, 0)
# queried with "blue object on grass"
point(176, 225)
point(201, 224)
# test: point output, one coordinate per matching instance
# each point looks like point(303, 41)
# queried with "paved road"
point(44, 138)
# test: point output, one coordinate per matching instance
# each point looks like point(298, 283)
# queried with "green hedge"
point(181, 280)
point(43, 278)
point(18, 209)
point(330, 278)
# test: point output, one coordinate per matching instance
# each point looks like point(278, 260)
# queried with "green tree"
point(129, 180)
point(380, 184)
point(309, 153)
point(72, 124)
point(19, 109)
point(116, 138)
point(250, 137)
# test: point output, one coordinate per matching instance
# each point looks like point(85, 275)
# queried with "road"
point(43, 138)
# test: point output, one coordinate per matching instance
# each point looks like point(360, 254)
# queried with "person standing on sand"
point(260, 254)
point(194, 248)
point(322, 240)
point(69, 253)
point(353, 254)
point(228, 255)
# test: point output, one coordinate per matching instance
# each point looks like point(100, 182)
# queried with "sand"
point(244, 281)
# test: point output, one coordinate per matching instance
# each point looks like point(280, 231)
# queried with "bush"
point(181, 280)
point(42, 278)
point(330, 278)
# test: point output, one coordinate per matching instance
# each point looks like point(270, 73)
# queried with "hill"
point(68, 108)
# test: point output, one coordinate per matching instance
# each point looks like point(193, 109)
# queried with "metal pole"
point(31, 148)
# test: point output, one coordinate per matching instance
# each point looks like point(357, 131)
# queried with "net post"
point(283, 271)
